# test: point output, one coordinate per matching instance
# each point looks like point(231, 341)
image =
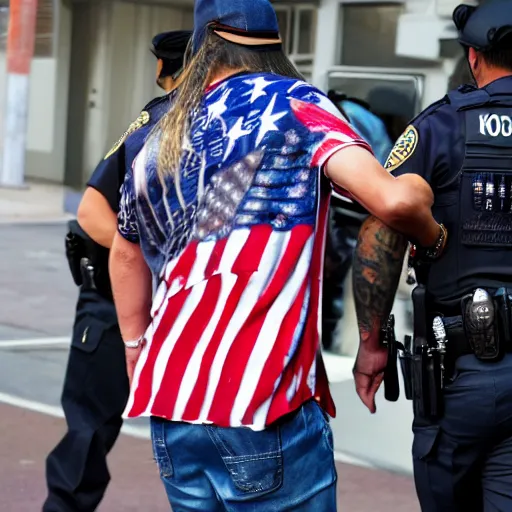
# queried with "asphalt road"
point(37, 301)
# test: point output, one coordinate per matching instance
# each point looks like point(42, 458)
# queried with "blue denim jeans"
point(288, 467)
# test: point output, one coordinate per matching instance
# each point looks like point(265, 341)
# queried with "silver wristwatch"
point(135, 343)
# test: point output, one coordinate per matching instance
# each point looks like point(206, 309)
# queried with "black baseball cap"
point(483, 27)
point(171, 48)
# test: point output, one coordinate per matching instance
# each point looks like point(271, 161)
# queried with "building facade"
point(367, 48)
point(93, 71)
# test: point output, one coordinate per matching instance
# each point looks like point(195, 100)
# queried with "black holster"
point(421, 365)
point(391, 382)
point(88, 261)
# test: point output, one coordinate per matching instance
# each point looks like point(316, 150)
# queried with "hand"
point(369, 373)
point(132, 356)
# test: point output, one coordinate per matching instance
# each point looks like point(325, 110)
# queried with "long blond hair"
point(215, 55)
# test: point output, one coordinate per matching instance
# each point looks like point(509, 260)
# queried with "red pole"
point(20, 50)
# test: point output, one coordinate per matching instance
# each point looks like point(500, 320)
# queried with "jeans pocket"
point(160, 451)
point(254, 459)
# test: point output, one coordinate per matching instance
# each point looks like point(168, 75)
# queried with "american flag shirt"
point(238, 238)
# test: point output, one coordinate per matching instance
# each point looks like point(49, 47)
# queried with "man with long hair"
point(227, 206)
point(96, 385)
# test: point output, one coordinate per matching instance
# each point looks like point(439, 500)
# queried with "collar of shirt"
point(500, 86)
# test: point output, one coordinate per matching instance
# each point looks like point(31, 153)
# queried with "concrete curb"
point(55, 219)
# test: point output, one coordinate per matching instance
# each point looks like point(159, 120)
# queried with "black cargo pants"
point(463, 463)
point(95, 394)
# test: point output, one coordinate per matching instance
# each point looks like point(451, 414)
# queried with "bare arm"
point(377, 268)
point(131, 284)
point(402, 203)
point(378, 263)
point(96, 218)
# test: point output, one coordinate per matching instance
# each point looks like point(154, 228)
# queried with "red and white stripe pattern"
point(235, 336)
point(224, 346)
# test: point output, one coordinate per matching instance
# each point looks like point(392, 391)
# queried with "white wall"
point(48, 102)
point(121, 80)
point(121, 74)
point(132, 29)
point(327, 41)
point(42, 106)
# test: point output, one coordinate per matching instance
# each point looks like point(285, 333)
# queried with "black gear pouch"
point(483, 336)
point(427, 383)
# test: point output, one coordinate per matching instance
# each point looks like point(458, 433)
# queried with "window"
point(306, 27)
point(4, 26)
point(386, 94)
point(284, 18)
point(44, 29)
point(297, 25)
point(369, 37)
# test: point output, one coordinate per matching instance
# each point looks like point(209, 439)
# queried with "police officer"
point(96, 385)
point(460, 365)
point(169, 48)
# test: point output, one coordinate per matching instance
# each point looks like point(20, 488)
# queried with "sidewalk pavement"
point(27, 437)
point(37, 202)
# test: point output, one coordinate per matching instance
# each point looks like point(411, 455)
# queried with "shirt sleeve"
point(108, 176)
point(127, 217)
point(329, 128)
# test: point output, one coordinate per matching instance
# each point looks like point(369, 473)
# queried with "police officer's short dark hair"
point(501, 56)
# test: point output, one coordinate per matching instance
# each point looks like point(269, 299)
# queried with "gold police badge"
point(138, 123)
point(403, 149)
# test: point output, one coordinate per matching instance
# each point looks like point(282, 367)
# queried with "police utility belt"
point(88, 261)
point(483, 329)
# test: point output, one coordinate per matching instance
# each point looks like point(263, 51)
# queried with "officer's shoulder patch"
point(403, 149)
point(142, 120)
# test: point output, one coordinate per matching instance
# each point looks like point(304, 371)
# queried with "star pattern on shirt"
point(260, 84)
point(268, 120)
point(236, 132)
point(215, 110)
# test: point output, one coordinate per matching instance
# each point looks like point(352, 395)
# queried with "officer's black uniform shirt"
point(434, 147)
point(108, 177)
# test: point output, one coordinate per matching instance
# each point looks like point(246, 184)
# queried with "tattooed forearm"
point(377, 268)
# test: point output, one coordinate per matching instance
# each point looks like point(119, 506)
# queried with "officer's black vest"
point(477, 207)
